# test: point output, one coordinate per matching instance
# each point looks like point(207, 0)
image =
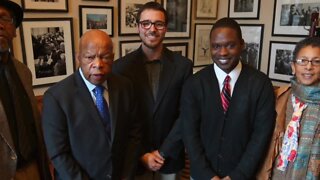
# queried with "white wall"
point(266, 17)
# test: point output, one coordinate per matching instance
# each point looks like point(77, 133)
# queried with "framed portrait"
point(253, 37)
point(47, 46)
point(179, 24)
point(294, 17)
point(96, 17)
point(128, 46)
point(128, 11)
point(244, 9)
point(45, 5)
point(206, 9)
point(181, 48)
point(201, 50)
point(280, 57)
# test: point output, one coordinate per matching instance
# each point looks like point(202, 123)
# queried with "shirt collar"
point(221, 75)
point(89, 85)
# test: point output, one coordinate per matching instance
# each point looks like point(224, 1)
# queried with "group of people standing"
point(136, 117)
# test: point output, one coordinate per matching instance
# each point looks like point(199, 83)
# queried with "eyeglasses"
point(159, 25)
point(6, 20)
point(304, 62)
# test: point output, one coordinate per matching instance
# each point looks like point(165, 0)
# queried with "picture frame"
point(206, 9)
point(96, 17)
point(181, 48)
point(293, 17)
point(127, 14)
point(239, 9)
point(253, 37)
point(179, 24)
point(201, 50)
point(280, 57)
point(128, 46)
point(45, 5)
point(47, 46)
point(96, 0)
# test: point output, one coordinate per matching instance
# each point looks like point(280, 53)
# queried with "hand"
point(226, 178)
point(216, 178)
point(153, 161)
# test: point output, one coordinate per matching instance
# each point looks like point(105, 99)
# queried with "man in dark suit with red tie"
point(88, 118)
point(227, 111)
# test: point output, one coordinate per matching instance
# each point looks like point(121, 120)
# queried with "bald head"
point(95, 37)
point(95, 56)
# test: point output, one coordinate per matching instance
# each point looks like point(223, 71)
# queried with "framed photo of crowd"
point(45, 5)
point(47, 44)
point(96, 17)
point(244, 9)
point(294, 17)
point(128, 11)
point(280, 56)
point(179, 24)
point(253, 37)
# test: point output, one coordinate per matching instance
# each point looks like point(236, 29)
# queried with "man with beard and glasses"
point(158, 75)
point(227, 111)
point(22, 151)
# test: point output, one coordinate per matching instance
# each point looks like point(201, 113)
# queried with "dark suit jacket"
point(75, 136)
point(232, 144)
point(159, 117)
point(8, 160)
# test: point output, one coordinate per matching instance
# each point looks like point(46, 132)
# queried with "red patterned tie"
point(226, 93)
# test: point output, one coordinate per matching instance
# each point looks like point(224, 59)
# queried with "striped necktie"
point(226, 94)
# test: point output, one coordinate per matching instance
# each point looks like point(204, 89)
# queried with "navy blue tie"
point(103, 109)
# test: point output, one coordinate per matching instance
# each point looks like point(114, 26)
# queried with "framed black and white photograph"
point(45, 5)
point(207, 9)
point(48, 49)
point(128, 11)
point(253, 37)
point(128, 46)
point(181, 48)
point(201, 50)
point(244, 9)
point(96, 17)
point(179, 24)
point(294, 17)
point(280, 57)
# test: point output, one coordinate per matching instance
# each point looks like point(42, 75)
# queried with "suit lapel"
point(113, 104)
point(166, 76)
point(4, 128)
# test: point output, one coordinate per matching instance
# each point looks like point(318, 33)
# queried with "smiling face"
point(7, 30)
point(309, 74)
point(96, 56)
point(226, 47)
point(152, 38)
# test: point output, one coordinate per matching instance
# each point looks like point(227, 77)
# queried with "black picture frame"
point(101, 18)
point(128, 46)
point(239, 9)
point(47, 45)
point(127, 13)
point(280, 57)
point(253, 38)
point(178, 47)
point(179, 25)
point(289, 19)
point(45, 6)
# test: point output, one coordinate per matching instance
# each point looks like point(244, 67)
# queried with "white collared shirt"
point(91, 87)
point(221, 75)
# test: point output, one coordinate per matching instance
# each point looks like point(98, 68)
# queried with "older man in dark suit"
point(22, 151)
point(227, 111)
point(88, 118)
